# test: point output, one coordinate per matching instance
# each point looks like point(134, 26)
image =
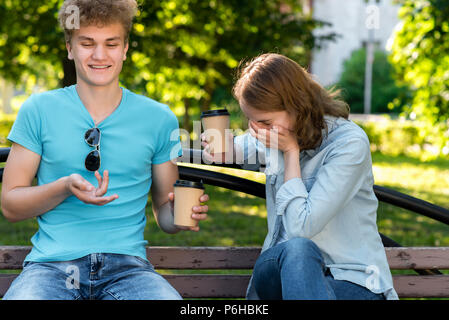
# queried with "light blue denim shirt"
point(333, 203)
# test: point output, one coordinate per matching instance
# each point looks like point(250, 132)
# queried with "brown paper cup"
point(187, 195)
point(215, 123)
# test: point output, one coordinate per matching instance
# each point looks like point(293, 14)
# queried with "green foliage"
point(420, 53)
point(387, 96)
point(6, 122)
point(31, 45)
point(181, 51)
point(403, 137)
point(184, 51)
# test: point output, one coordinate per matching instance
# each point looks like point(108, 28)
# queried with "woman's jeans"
point(295, 270)
point(103, 276)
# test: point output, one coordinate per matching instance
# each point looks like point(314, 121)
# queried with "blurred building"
point(349, 19)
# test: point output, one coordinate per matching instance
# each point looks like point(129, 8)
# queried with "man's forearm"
point(165, 218)
point(23, 203)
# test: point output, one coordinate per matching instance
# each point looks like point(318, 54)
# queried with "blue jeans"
point(295, 270)
point(103, 276)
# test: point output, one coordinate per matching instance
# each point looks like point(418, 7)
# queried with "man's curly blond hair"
point(98, 13)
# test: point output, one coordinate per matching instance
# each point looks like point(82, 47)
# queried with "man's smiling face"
point(98, 53)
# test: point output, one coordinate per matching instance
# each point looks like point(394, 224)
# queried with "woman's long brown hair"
point(273, 82)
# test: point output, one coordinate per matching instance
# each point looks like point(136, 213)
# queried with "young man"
point(90, 242)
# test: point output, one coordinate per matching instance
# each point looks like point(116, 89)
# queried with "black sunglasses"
point(93, 159)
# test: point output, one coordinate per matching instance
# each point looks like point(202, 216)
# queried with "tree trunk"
point(186, 118)
point(205, 105)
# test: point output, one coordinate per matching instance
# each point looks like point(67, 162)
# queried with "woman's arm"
point(292, 168)
point(338, 180)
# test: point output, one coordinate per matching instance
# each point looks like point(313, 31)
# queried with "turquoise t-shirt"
point(139, 133)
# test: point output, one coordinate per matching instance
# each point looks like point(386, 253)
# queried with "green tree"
point(420, 53)
point(186, 51)
point(182, 52)
point(31, 47)
point(386, 94)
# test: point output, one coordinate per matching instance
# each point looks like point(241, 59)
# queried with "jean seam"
point(74, 293)
point(276, 260)
point(328, 289)
point(45, 265)
point(115, 296)
point(328, 286)
point(146, 262)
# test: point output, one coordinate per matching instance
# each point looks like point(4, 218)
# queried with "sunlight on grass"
point(427, 181)
point(248, 210)
point(226, 241)
point(419, 181)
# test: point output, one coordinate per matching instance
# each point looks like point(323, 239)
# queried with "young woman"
point(322, 241)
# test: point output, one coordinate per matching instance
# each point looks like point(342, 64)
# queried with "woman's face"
point(268, 119)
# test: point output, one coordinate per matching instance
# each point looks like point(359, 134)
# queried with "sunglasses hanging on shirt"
point(93, 159)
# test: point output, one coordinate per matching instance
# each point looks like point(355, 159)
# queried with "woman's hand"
point(86, 192)
point(276, 137)
point(218, 157)
point(199, 212)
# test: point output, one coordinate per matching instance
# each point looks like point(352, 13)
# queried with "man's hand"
point(86, 192)
point(199, 212)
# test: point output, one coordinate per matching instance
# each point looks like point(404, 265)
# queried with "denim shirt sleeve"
point(340, 177)
point(249, 151)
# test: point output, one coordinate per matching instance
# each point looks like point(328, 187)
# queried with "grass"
point(427, 181)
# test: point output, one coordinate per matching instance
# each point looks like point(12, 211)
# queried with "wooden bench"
point(234, 285)
point(426, 281)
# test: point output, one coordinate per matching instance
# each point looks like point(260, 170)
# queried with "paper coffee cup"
point(187, 195)
point(215, 123)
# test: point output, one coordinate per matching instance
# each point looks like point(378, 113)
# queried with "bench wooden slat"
point(418, 258)
point(234, 286)
point(5, 282)
point(11, 257)
point(410, 286)
point(209, 285)
point(203, 257)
